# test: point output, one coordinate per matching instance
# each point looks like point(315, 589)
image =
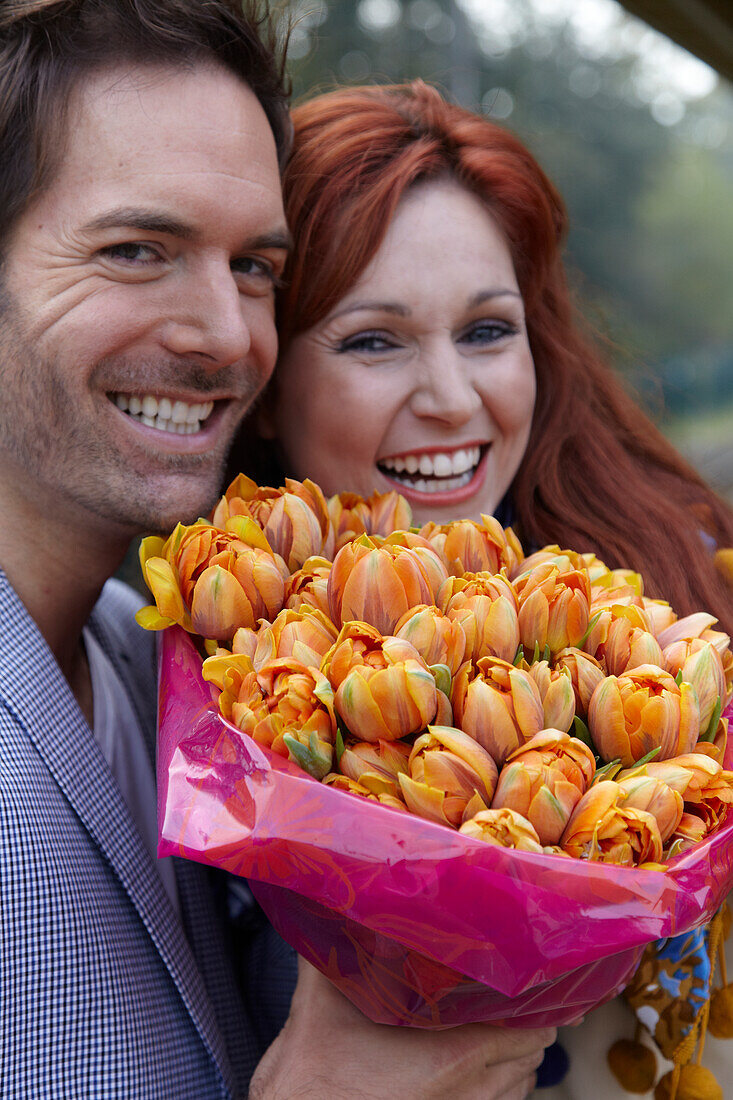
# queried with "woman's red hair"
point(597, 475)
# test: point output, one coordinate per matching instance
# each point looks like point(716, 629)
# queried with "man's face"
point(136, 312)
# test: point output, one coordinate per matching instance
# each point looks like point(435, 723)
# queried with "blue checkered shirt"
point(104, 991)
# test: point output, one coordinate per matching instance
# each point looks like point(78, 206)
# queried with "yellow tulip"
point(438, 639)
point(450, 776)
point(377, 584)
point(497, 704)
point(210, 582)
point(384, 690)
point(602, 829)
point(470, 547)
point(504, 828)
point(308, 586)
point(642, 710)
point(544, 780)
point(554, 607)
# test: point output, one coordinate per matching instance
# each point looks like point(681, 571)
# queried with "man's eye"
point(256, 272)
point(131, 253)
point(366, 342)
point(488, 332)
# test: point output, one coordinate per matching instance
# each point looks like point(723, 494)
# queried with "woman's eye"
point(367, 342)
point(488, 332)
point(131, 253)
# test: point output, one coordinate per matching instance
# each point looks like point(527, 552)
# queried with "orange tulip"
point(629, 643)
point(308, 586)
point(544, 780)
point(505, 828)
point(497, 704)
point(350, 517)
point(438, 639)
point(210, 582)
point(603, 829)
point(646, 792)
point(378, 584)
point(352, 787)
point(700, 780)
point(698, 663)
point(556, 692)
point(305, 635)
point(450, 776)
point(554, 607)
point(384, 690)
point(470, 547)
point(285, 706)
point(690, 831)
point(642, 710)
point(585, 675)
point(375, 766)
point(294, 518)
point(388, 512)
point(486, 608)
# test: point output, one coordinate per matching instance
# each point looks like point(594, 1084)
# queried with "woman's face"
point(421, 379)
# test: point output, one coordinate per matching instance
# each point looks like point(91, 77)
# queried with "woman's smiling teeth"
point(160, 412)
point(438, 472)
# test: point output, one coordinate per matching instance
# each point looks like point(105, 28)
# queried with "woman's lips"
point(438, 491)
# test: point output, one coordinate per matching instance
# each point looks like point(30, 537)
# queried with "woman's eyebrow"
point(378, 307)
point(496, 292)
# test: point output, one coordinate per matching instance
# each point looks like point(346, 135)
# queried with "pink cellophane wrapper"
point(414, 923)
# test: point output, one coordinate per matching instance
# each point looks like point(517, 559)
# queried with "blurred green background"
point(638, 136)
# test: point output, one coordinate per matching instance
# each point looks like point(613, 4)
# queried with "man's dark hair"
point(47, 46)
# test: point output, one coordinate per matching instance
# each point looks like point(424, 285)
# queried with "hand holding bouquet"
point(543, 705)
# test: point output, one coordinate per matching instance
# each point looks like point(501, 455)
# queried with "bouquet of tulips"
point(465, 783)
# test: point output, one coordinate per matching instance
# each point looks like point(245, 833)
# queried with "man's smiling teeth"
point(439, 472)
point(162, 413)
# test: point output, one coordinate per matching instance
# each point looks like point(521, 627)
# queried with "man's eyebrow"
point(153, 221)
point(149, 221)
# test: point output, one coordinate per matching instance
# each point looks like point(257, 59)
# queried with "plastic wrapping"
point(413, 922)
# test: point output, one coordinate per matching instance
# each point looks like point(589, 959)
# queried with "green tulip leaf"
point(678, 678)
point(547, 654)
point(582, 732)
point(649, 756)
point(442, 677)
point(536, 654)
point(340, 747)
point(591, 624)
point(309, 757)
point(613, 767)
point(518, 656)
point(710, 732)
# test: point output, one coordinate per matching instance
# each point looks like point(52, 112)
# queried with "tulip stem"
point(710, 732)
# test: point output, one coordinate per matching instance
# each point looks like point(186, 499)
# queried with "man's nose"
point(445, 388)
point(209, 320)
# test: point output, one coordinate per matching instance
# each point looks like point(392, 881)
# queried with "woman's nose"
point(210, 320)
point(445, 388)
